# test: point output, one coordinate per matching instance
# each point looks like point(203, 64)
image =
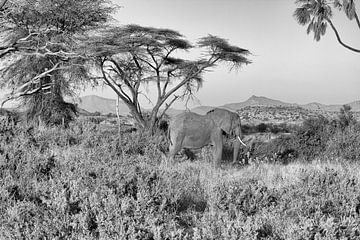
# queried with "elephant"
point(230, 123)
point(191, 130)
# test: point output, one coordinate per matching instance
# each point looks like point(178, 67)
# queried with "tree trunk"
point(118, 114)
point(137, 116)
point(153, 119)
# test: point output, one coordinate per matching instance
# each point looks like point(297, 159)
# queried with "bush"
point(86, 182)
point(345, 144)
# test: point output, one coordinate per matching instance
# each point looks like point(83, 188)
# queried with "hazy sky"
point(288, 64)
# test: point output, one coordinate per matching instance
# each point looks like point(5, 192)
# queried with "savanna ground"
point(87, 182)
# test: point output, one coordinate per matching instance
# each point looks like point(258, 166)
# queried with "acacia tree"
point(317, 15)
point(131, 56)
point(38, 42)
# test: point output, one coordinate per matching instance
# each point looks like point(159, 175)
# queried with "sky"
point(288, 65)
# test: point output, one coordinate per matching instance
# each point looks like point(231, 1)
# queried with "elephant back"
point(188, 119)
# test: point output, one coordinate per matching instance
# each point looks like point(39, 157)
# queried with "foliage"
point(345, 144)
point(346, 117)
point(317, 15)
point(337, 139)
point(50, 109)
point(38, 49)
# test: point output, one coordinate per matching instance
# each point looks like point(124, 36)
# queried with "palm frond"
point(302, 15)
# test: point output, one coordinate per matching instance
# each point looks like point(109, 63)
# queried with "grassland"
point(86, 182)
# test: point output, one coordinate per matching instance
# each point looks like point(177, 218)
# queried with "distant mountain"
point(355, 107)
point(93, 103)
point(173, 111)
point(264, 101)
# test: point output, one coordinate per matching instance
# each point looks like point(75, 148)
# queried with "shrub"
point(345, 144)
point(105, 186)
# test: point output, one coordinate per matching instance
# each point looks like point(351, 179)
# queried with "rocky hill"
point(256, 101)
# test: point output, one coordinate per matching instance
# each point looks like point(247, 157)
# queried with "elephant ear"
point(222, 118)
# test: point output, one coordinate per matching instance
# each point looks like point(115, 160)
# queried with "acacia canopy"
point(130, 56)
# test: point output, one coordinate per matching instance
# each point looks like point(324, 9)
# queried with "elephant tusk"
point(241, 141)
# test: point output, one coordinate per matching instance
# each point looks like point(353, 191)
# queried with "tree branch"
point(167, 106)
point(2, 4)
point(183, 82)
point(339, 39)
point(123, 97)
point(166, 56)
point(123, 76)
point(7, 51)
point(357, 19)
point(26, 93)
point(152, 57)
point(147, 62)
point(46, 73)
point(120, 89)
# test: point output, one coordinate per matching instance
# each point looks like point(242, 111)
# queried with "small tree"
point(131, 56)
point(346, 117)
point(38, 52)
point(317, 14)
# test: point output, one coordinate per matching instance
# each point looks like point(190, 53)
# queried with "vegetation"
point(337, 139)
point(47, 45)
point(38, 54)
point(86, 182)
point(317, 15)
point(276, 114)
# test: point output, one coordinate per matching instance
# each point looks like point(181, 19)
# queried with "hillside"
point(254, 109)
point(93, 103)
point(256, 101)
point(275, 114)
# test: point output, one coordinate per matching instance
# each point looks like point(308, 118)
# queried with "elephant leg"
point(174, 148)
point(236, 145)
point(217, 142)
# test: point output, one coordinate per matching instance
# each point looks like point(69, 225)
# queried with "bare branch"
point(117, 91)
point(122, 76)
point(167, 106)
point(46, 73)
point(147, 62)
point(186, 79)
point(2, 4)
point(339, 39)
point(27, 93)
point(7, 51)
point(357, 19)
